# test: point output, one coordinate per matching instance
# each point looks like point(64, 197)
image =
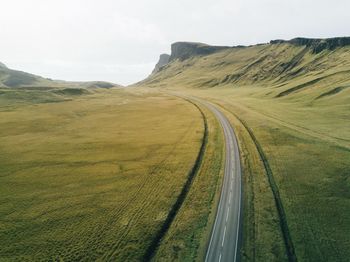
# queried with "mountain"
point(10, 78)
point(163, 60)
point(317, 68)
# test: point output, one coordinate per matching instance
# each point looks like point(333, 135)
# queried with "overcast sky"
point(120, 40)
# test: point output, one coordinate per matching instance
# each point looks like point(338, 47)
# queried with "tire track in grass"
point(276, 195)
point(154, 188)
point(150, 252)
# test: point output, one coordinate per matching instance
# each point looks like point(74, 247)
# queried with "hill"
point(324, 63)
point(289, 102)
point(10, 78)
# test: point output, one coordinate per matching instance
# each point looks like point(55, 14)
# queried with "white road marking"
point(230, 173)
point(223, 237)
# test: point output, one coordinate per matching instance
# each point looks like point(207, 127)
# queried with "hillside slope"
point(289, 102)
point(318, 68)
point(10, 78)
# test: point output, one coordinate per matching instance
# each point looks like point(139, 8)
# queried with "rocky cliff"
point(317, 45)
point(163, 60)
point(185, 50)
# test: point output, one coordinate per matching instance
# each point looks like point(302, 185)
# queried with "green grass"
point(308, 151)
point(262, 236)
point(188, 236)
point(310, 168)
point(91, 176)
point(297, 105)
point(10, 78)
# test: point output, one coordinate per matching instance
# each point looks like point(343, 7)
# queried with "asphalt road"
point(224, 242)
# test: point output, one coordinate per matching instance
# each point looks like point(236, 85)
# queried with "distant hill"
point(10, 78)
point(317, 68)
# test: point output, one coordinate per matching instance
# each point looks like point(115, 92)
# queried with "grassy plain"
point(307, 147)
point(311, 169)
point(262, 238)
point(188, 236)
point(90, 176)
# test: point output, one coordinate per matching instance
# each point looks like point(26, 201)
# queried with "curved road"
point(224, 242)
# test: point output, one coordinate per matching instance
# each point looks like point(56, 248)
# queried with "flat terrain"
point(93, 175)
point(187, 238)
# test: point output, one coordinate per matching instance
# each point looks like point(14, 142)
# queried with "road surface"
point(224, 242)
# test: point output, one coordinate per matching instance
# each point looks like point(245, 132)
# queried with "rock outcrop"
point(317, 45)
point(163, 60)
point(185, 50)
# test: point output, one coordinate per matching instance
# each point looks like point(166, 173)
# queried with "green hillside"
point(289, 102)
point(10, 78)
point(288, 68)
point(92, 172)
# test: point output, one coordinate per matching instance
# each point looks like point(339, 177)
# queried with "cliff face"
point(2, 65)
point(317, 45)
point(297, 67)
point(163, 60)
point(310, 61)
point(185, 50)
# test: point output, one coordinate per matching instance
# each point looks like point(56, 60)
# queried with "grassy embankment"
point(186, 239)
point(91, 175)
point(310, 172)
point(297, 104)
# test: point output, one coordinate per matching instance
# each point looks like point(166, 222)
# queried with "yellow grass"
point(94, 176)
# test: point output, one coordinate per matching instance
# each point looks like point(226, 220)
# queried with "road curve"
point(224, 243)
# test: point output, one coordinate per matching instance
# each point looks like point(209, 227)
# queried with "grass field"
point(309, 156)
point(90, 176)
point(262, 238)
point(311, 171)
point(296, 103)
point(187, 238)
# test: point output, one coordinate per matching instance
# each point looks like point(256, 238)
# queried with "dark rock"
point(317, 45)
point(163, 60)
point(185, 50)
